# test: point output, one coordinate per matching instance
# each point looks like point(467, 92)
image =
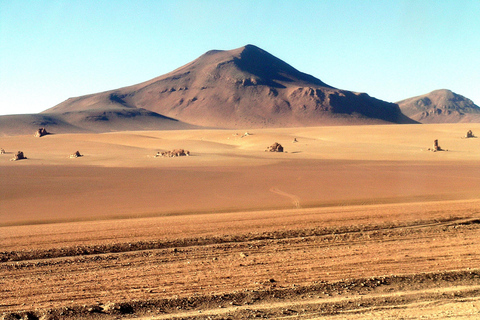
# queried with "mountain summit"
point(240, 88)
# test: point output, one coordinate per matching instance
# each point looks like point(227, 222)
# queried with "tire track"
point(295, 199)
point(96, 251)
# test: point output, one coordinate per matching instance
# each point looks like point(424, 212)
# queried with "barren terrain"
point(349, 223)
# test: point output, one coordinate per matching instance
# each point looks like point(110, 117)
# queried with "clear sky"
point(392, 50)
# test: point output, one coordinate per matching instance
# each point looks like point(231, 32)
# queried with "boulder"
point(18, 156)
point(41, 132)
point(436, 147)
point(276, 147)
point(75, 155)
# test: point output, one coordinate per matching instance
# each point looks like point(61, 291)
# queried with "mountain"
point(440, 106)
point(242, 88)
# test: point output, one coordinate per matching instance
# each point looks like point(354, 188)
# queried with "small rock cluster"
point(75, 155)
point(173, 153)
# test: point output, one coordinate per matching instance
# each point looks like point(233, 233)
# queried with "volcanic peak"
point(245, 87)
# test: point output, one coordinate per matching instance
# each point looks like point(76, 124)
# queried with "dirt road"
point(368, 260)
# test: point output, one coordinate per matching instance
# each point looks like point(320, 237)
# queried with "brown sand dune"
point(347, 221)
point(230, 171)
point(243, 88)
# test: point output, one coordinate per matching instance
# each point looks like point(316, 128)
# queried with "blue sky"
point(53, 50)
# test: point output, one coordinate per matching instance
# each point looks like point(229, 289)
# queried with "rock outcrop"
point(18, 156)
point(436, 147)
point(469, 134)
point(41, 132)
point(75, 155)
point(276, 147)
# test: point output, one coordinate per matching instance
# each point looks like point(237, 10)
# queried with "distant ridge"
point(27, 124)
point(94, 120)
point(440, 106)
point(241, 88)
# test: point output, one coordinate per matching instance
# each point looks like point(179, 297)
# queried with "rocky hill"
point(440, 106)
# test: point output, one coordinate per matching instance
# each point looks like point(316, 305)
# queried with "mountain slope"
point(440, 106)
point(245, 87)
point(25, 124)
point(95, 120)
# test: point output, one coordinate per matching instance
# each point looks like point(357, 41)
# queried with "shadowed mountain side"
point(440, 106)
point(97, 120)
point(27, 124)
point(245, 87)
point(123, 119)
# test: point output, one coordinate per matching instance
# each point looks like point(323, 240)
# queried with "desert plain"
point(350, 222)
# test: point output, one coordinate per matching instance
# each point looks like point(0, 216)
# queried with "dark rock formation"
point(18, 156)
point(41, 132)
point(276, 147)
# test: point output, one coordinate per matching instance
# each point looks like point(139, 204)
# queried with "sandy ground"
point(234, 232)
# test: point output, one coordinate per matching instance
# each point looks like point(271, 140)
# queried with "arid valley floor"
point(351, 222)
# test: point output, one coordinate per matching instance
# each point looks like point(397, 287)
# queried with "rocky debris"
point(236, 135)
point(117, 308)
point(75, 155)
point(276, 147)
point(18, 156)
point(18, 316)
point(295, 140)
point(94, 309)
point(469, 134)
point(29, 316)
point(173, 153)
point(11, 316)
point(2, 151)
point(41, 132)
